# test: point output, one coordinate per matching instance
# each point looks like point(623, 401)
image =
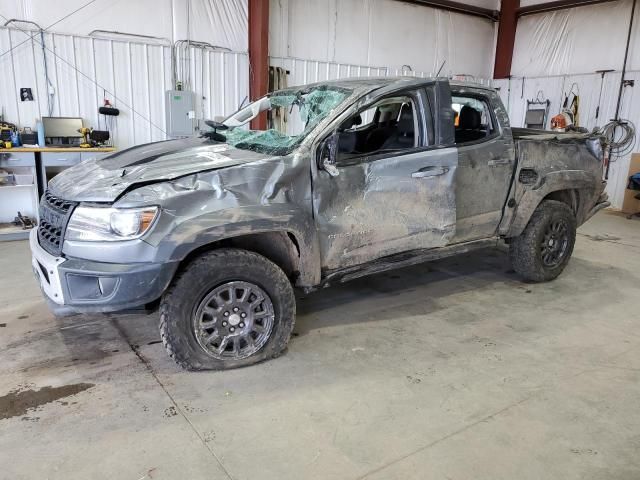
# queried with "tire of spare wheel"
point(544, 248)
point(188, 320)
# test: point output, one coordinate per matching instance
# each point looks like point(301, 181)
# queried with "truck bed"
point(534, 133)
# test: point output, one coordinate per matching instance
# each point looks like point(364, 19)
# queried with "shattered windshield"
point(291, 115)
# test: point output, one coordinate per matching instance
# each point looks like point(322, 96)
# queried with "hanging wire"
point(120, 101)
point(42, 30)
point(620, 136)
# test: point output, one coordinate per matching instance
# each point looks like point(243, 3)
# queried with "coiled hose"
point(620, 137)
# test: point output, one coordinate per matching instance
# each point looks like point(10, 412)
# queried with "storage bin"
point(23, 179)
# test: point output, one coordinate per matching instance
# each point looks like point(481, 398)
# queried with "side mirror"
point(328, 155)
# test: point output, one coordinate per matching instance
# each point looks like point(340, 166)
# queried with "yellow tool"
point(86, 142)
point(5, 134)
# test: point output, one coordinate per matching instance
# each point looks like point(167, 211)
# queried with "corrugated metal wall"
point(308, 71)
point(303, 71)
point(219, 78)
point(83, 71)
point(517, 91)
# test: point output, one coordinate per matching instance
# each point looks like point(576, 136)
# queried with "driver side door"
point(393, 191)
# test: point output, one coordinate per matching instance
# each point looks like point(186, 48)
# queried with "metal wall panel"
point(83, 71)
point(220, 79)
point(303, 71)
point(515, 92)
point(132, 75)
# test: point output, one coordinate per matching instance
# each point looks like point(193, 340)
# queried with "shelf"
point(9, 232)
point(2, 187)
point(60, 149)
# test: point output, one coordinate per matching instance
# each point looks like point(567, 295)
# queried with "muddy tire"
point(227, 308)
point(544, 248)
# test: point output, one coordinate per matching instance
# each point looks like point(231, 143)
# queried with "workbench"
point(41, 164)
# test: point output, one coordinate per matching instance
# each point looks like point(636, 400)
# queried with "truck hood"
point(106, 179)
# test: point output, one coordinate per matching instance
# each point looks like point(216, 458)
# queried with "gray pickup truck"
point(355, 177)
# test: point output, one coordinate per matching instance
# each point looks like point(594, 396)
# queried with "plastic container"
point(23, 179)
point(15, 138)
point(40, 130)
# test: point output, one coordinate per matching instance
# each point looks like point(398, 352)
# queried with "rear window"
point(472, 119)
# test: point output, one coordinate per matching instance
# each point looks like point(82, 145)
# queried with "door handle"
point(429, 172)
point(499, 161)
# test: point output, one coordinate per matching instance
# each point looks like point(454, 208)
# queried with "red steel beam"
point(557, 5)
point(258, 55)
point(457, 7)
point(506, 38)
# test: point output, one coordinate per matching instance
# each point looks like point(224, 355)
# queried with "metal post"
point(616, 118)
point(258, 55)
point(506, 38)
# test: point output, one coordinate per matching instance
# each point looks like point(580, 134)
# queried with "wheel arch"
point(568, 196)
point(282, 247)
point(569, 187)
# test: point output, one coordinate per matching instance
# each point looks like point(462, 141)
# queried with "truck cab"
point(413, 166)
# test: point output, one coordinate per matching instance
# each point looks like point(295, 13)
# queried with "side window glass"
point(388, 125)
point(472, 119)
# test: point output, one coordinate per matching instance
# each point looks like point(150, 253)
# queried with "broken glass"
point(306, 107)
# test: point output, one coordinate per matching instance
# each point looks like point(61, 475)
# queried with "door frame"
point(423, 100)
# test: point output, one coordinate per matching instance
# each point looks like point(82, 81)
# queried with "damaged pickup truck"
point(357, 176)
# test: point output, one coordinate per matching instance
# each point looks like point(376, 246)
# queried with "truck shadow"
point(418, 290)
point(426, 288)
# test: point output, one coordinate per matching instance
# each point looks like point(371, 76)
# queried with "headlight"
point(95, 224)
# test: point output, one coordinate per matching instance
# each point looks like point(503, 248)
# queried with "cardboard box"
point(630, 204)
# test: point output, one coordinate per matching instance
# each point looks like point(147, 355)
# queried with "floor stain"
point(19, 401)
point(602, 238)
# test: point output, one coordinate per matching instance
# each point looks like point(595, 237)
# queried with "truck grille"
point(54, 216)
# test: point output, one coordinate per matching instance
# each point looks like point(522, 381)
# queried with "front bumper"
point(73, 285)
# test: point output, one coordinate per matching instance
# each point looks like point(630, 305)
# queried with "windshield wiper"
point(214, 135)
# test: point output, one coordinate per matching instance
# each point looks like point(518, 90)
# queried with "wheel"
point(227, 308)
point(543, 249)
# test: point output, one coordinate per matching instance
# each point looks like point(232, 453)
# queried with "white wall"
point(133, 73)
point(575, 41)
point(555, 50)
point(383, 33)
point(220, 22)
point(133, 76)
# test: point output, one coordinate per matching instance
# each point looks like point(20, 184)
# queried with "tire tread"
point(523, 249)
point(177, 346)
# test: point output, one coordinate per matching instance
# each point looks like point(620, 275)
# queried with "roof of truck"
point(377, 82)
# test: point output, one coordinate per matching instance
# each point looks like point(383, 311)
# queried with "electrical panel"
point(180, 113)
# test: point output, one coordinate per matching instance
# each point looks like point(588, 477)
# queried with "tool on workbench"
point(93, 138)
point(86, 141)
point(28, 137)
point(99, 137)
point(6, 130)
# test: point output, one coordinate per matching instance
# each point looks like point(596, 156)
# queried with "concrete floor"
point(452, 370)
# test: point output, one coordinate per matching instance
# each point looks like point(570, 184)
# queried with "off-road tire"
point(525, 250)
point(202, 275)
